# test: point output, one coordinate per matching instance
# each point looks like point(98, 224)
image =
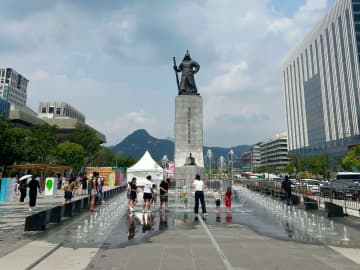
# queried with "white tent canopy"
point(144, 167)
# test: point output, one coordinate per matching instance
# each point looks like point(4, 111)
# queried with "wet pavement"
point(112, 228)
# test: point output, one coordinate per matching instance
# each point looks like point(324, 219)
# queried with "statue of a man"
point(190, 160)
point(188, 67)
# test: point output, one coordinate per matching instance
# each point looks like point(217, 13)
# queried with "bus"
point(353, 176)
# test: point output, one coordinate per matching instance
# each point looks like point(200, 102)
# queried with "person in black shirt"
point(22, 189)
point(34, 186)
point(133, 194)
point(286, 187)
point(164, 189)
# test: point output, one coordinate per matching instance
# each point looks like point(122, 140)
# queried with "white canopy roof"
point(144, 167)
point(146, 163)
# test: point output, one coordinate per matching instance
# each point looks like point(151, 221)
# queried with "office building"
point(321, 81)
point(52, 110)
point(274, 152)
point(251, 159)
point(13, 86)
point(4, 108)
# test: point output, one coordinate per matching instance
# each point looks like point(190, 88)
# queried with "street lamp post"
point(164, 163)
point(221, 166)
point(209, 155)
point(231, 158)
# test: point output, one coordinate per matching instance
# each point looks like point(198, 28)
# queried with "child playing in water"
point(217, 198)
point(154, 195)
point(185, 196)
point(228, 199)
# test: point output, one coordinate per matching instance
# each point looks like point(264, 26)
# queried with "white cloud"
point(119, 126)
point(38, 75)
point(234, 79)
point(110, 63)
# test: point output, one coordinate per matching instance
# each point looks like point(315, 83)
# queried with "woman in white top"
point(199, 187)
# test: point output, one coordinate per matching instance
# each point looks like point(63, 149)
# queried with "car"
point(312, 184)
point(340, 189)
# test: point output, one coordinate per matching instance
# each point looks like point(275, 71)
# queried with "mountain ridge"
point(136, 143)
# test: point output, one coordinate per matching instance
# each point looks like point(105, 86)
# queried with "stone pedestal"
point(188, 136)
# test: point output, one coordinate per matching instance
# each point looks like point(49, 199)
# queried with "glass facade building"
point(4, 108)
point(13, 86)
point(274, 152)
point(322, 85)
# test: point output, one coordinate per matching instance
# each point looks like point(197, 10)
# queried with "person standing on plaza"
point(34, 186)
point(185, 196)
point(133, 194)
point(93, 190)
point(84, 183)
point(100, 186)
point(154, 195)
point(228, 195)
point(286, 187)
point(147, 193)
point(68, 194)
point(164, 189)
point(22, 189)
point(217, 198)
point(199, 187)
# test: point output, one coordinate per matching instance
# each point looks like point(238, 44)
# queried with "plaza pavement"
point(12, 219)
point(199, 246)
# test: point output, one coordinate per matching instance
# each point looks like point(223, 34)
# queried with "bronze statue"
point(188, 68)
point(190, 161)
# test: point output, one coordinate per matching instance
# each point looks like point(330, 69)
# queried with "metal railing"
point(339, 197)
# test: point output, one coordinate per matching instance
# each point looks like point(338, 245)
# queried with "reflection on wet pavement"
point(112, 226)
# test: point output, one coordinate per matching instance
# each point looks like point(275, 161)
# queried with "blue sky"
point(113, 60)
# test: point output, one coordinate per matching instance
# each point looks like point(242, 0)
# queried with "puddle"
point(111, 226)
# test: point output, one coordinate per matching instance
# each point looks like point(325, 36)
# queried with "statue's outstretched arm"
point(196, 66)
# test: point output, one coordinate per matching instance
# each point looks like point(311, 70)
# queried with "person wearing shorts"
point(154, 196)
point(133, 194)
point(164, 189)
point(147, 194)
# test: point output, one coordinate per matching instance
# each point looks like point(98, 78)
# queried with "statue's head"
point(187, 56)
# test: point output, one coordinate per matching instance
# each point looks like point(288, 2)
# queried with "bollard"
point(68, 209)
point(36, 222)
point(56, 214)
point(334, 210)
point(77, 205)
point(310, 204)
point(85, 203)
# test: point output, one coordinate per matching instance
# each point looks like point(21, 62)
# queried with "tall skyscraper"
point(13, 86)
point(322, 84)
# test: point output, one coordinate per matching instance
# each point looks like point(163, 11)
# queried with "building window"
point(51, 109)
point(43, 109)
point(58, 110)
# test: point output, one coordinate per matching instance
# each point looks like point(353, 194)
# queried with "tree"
point(86, 137)
point(124, 161)
point(351, 160)
point(105, 157)
point(42, 142)
point(70, 154)
point(318, 165)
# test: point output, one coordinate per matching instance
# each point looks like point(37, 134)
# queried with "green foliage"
point(42, 142)
point(265, 169)
point(70, 154)
point(14, 142)
point(124, 161)
point(351, 160)
point(86, 137)
point(105, 158)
